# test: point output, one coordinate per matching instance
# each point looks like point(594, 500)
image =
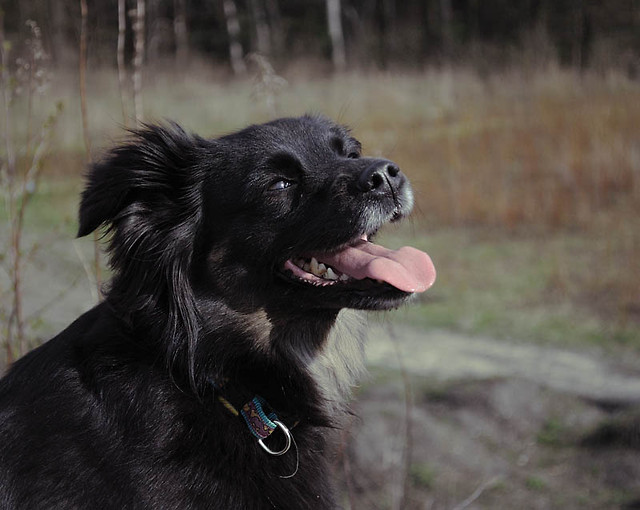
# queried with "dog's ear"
point(153, 163)
point(149, 192)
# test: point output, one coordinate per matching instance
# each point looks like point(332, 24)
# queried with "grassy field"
point(527, 184)
point(528, 200)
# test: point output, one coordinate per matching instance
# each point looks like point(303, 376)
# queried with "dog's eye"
point(353, 155)
point(280, 185)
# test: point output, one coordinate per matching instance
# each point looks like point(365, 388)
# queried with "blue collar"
point(260, 423)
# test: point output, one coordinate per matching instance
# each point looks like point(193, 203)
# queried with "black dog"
point(217, 365)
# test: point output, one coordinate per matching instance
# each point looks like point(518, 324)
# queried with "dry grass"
point(555, 157)
point(552, 157)
point(549, 156)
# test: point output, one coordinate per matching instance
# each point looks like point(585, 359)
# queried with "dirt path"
point(449, 356)
point(495, 424)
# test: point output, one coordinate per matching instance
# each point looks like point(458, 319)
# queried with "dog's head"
point(293, 213)
point(278, 216)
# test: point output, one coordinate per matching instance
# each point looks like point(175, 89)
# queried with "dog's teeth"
point(316, 268)
point(314, 265)
point(330, 275)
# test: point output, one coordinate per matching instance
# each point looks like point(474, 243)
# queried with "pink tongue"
point(407, 269)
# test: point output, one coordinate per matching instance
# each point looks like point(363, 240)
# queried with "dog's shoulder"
point(46, 367)
point(73, 414)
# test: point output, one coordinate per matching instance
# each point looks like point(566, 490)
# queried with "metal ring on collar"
point(287, 435)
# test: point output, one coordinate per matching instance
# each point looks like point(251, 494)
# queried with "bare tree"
point(277, 30)
point(19, 185)
point(334, 20)
point(385, 14)
point(122, 70)
point(58, 22)
point(446, 14)
point(582, 35)
point(84, 13)
point(236, 54)
point(138, 29)
point(180, 32)
point(267, 83)
point(262, 30)
point(8, 177)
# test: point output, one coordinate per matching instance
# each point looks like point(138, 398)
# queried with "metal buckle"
point(287, 434)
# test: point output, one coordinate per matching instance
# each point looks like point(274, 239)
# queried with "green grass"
point(423, 475)
point(526, 287)
point(553, 433)
point(55, 206)
point(535, 483)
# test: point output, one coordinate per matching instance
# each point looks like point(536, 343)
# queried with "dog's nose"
point(379, 175)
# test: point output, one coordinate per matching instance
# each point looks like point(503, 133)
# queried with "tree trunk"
point(138, 29)
point(384, 20)
point(446, 14)
point(334, 19)
point(277, 30)
point(236, 54)
point(430, 27)
point(122, 70)
point(153, 31)
point(582, 36)
point(180, 32)
point(262, 30)
point(59, 43)
point(84, 14)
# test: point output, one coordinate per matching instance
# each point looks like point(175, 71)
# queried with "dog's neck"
point(279, 356)
point(319, 355)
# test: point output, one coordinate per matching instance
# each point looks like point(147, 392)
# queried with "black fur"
point(119, 411)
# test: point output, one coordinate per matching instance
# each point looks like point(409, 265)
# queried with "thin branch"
point(478, 492)
point(233, 31)
point(10, 177)
point(83, 76)
point(122, 70)
point(267, 82)
point(27, 191)
point(180, 33)
point(346, 464)
point(20, 188)
point(85, 122)
point(27, 145)
point(6, 95)
point(408, 432)
point(94, 286)
point(334, 21)
point(138, 29)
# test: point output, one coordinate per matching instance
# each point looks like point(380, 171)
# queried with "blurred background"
point(514, 382)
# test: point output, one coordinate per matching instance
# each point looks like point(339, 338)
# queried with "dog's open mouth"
point(407, 269)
